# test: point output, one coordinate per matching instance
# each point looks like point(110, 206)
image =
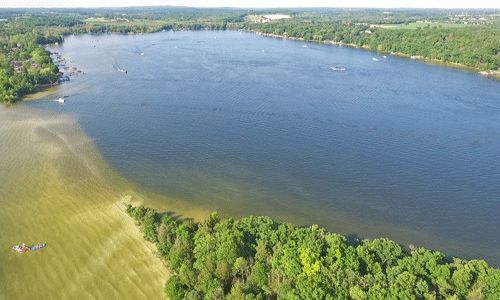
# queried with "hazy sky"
point(254, 3)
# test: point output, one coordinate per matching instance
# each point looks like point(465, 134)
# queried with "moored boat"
point(37, 247)
point(21, 248)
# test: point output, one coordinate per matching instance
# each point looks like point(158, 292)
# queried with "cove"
point(304, 133)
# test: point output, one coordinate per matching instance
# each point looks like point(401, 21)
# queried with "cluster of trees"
point(477, 46)
point(183, 14)
point(25, 65)
point(154, 19)
point(257, 258)
point(314, 31)
point(395, 15)
point(125, 27)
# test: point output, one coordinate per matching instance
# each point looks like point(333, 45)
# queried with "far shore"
point(50, 89)
point(437, 62)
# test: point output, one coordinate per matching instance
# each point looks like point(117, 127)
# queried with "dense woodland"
point(468, 37)
point(24, 64)
point(257, 258)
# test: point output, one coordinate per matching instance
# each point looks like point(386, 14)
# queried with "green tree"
point(174, 288)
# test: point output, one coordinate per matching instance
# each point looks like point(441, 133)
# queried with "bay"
point(245, 124)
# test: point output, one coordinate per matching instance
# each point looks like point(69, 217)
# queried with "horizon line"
point(255, 8)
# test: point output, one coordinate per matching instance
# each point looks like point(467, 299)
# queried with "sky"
point(254, 3)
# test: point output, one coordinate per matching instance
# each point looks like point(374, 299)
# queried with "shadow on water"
point(180, 217)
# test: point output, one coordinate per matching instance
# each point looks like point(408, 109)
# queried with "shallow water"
point(252, 125)
point(56, 189)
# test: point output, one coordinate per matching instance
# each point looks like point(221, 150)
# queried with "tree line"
point(258, 258)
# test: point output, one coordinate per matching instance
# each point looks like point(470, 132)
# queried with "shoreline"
point(436, 62)
point(203, 243)
point(41, 93)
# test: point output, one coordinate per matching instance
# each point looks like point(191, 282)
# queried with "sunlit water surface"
point(246, 124)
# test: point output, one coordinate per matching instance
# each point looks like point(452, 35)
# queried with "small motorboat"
point(37, 247)
point(21, 248)
point(60, 100)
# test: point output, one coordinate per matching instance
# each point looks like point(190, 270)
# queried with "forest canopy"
point(258, 258)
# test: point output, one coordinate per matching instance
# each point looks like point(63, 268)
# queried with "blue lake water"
point(247, 124)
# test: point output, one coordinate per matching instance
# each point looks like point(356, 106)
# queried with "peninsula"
point(258, 258)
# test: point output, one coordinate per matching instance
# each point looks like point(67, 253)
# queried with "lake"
point(351, 140)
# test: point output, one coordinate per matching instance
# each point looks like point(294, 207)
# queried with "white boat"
point(60, 100)
point(337, 69)
point(21, 248)
point(375, 59)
